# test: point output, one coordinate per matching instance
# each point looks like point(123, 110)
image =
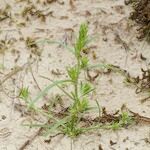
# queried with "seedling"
point(115, 126)
point(124, 120)
point(69, 122)
point(24, 94)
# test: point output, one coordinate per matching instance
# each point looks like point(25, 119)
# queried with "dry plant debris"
point(142, 83)
point(141, 15)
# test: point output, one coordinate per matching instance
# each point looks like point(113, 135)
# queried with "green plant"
point(70, 124)
point(24, 94)
point(81, 89)
point(124, 120)
point(115, 126)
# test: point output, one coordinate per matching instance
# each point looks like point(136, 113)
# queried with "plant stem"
point(77, 80)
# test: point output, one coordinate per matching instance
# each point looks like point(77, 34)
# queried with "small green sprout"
point(115, 126)
point(24, 93)
point(125, 119)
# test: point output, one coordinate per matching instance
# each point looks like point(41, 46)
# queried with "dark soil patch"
point(141, 15)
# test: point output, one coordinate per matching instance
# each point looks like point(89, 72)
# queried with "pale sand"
point(105, 18)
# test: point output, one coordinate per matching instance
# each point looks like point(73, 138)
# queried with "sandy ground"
point(106, 19)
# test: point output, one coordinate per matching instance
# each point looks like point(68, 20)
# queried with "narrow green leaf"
point(41, 94)
point(56, 42)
